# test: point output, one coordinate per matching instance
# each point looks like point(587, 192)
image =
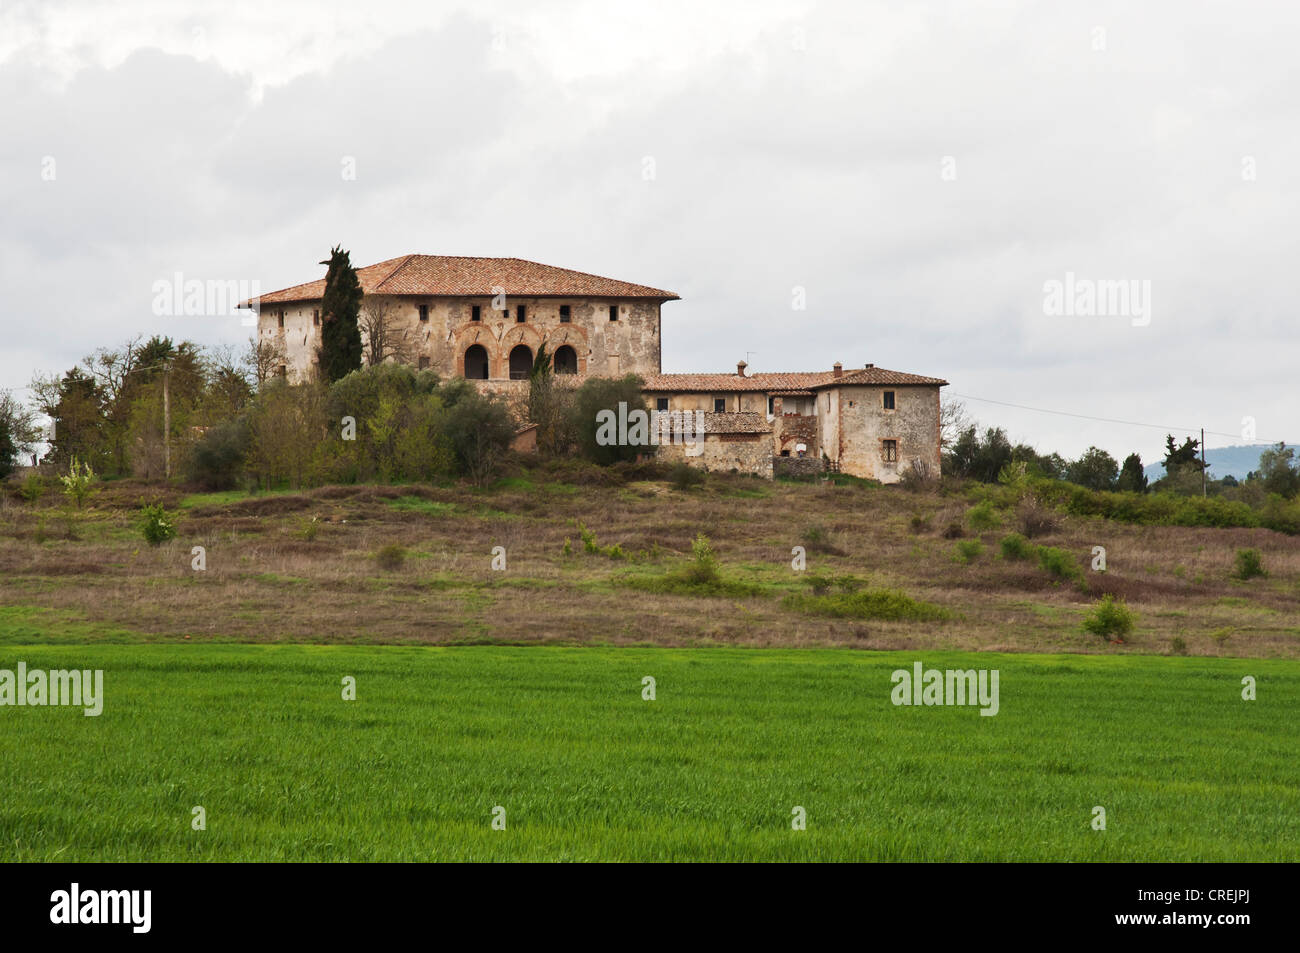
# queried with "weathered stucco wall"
point(603, 347)
point(749, 402)
point(863, 424)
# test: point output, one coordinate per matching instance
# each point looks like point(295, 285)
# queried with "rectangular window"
point(315, 318)
point(889, 400)
point(889, 451)
point(280, 316)
point(282, 371)
point(661, 403)
point(424, 363)
point(424, 312)
point(613, 312)
point(520, 314)
point(719, 405)
point(564, 314)
point(476, 313)
point(771, 406)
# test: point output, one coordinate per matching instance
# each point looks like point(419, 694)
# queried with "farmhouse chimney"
point(740, 369)
point(837, 369)
point(870, 366)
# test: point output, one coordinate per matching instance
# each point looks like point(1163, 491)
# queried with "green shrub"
point(589, 543)
point(594, 413)
point(1168, 509)
point(1059, 562)
point(819, 583)
point(983, 517)
point(308, 530)
point(885, 604)
point(1178, 645)
point(953, 531)
point(1015, 546)
point(1249, 564)
point(967, 550)
point(703, 569)
point(919, 523)
point(218, 459)
point(1109, 617)
point(701, 577)
point(77, 482)
point(156, 524)
point(32, 488)
point(391, 557)
point(568, 547)
point(683, 476)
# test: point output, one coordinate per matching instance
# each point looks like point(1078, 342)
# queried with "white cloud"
point(794, 144)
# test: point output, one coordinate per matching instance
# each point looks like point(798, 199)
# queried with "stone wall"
point(862, 425)
point(603, 348)
point(796, 466)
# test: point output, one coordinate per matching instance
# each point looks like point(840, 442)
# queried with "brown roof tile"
point(736, 423)
point(793, 381)
point(455, 275)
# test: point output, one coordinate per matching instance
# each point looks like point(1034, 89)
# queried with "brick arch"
point(512, 337)
point(481, 336)
point(521, 334)
point(574, 337)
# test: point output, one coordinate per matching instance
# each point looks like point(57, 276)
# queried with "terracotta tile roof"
point(736, 423)
point(793, 382)
point(454, 275)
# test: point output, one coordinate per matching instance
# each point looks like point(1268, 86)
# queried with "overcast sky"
point(920, 170)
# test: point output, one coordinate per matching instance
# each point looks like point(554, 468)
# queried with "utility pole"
point(1202, 461)
point(167, 422)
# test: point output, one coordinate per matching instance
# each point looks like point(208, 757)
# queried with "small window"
point(280, 316)
point(785, 453)
point(520, 314)
point(315, 318)
point(771, 406)
point(424, 363)
point(889, 400)
point(661, 403)
point(424, 312)
point(613, 312)
point(282, 371)
point(889, 451)
point(719, 405)
point(476, 313)
point(564, 314)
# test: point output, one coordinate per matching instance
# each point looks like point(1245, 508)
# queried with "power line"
point(1110, 420)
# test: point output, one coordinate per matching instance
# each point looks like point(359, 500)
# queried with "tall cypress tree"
point(340, 337)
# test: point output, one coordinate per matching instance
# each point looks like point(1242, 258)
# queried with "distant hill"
point(1237, 461)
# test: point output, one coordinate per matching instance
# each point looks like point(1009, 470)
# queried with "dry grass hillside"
point(412, 564)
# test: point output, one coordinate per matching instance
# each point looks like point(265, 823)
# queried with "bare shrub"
point(1035, 520)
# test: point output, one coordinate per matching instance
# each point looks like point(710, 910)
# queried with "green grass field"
point(710, 770)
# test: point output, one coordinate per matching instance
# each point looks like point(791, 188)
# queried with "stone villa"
point(485, 318)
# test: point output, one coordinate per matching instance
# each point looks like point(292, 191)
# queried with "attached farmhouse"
point(870, 422)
